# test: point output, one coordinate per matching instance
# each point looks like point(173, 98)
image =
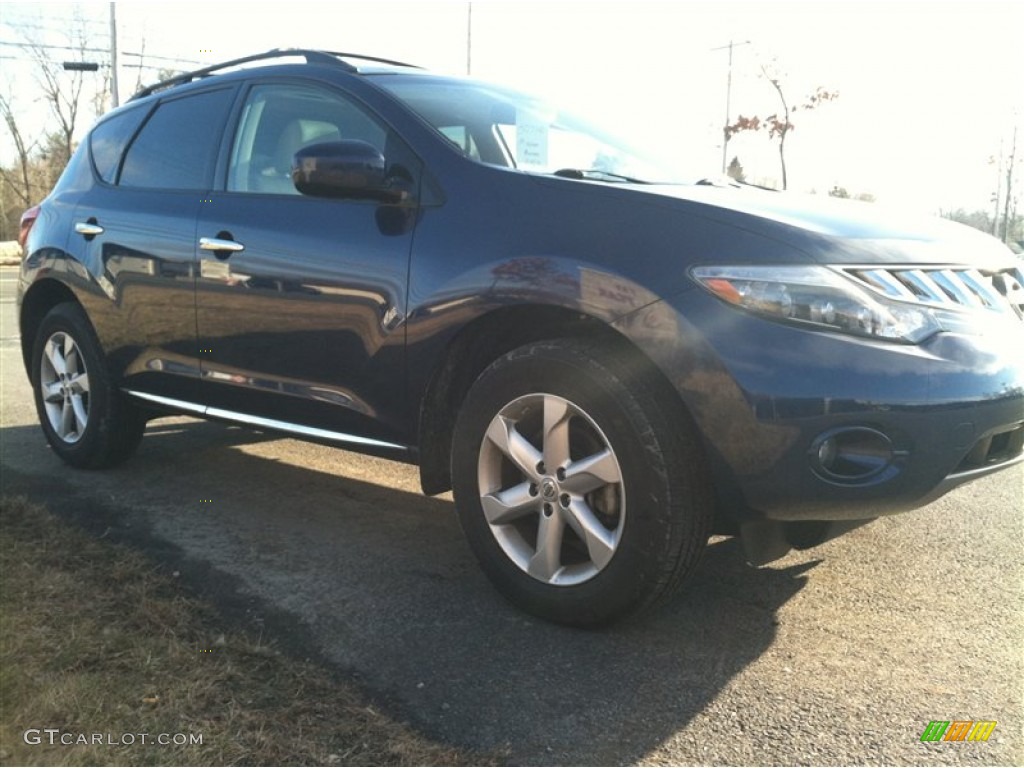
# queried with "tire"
point(619, 521)
point(87, 422)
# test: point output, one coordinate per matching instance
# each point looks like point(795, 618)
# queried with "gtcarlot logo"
point(55, 736)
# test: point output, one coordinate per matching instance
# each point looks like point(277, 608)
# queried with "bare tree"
point(141, 65)
point(61, 90)
point(1009, 187)
point(983, 220)
point(17, 179)
point(1004, 222)
point(996, 198)
point(40, 154)
point(779, 124)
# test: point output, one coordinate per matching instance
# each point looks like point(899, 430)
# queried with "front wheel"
point(583, 497)
point(87, 422)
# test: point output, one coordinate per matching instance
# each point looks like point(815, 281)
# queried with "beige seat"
point(277, 178)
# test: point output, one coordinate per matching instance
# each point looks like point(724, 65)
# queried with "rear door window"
point(177, 145)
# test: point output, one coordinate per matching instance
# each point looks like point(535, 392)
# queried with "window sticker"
point(531, 140)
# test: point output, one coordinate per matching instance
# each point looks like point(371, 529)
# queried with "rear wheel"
point(87, 422)
point(581, 497)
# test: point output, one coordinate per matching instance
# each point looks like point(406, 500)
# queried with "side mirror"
point(352, 170)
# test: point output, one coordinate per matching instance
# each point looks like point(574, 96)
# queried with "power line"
point(31, 46)
point(51, 62)
point(39, 28)
point(26, 21)
point(162, 58)
point(155, 67)
point(62, 30)
point(39, 46)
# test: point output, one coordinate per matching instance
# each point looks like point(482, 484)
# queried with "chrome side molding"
point(258, 421)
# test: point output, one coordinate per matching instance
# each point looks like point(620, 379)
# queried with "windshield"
point(500, 126)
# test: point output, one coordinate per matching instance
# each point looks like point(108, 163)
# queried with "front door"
point(301, 301)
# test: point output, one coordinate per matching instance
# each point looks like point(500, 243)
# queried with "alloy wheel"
point(551, 489)
point(64, 385)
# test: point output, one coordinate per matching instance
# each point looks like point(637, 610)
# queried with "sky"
point(929, 92)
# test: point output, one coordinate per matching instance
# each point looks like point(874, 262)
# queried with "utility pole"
point(469, 37)
point(114, 101)
point(997, 195)
point(728, 100)
point(1009, 187)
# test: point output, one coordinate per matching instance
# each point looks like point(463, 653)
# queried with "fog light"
point(851, 455)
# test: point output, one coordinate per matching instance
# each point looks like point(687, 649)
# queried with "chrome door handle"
point(88, 228)
point(216, 244)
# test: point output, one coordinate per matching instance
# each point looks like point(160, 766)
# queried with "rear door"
point(138, 229)
point(302, 325)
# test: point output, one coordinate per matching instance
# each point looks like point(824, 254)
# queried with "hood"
point(841, 231)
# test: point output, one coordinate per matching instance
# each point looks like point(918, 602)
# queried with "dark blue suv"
point(605, 363)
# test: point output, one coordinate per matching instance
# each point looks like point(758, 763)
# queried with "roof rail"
point(375, 59)
point(311, 56)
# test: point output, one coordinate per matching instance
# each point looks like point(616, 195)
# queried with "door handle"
point(88, 228)
point(221, 245)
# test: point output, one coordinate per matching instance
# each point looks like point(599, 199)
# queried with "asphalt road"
point(839, 655)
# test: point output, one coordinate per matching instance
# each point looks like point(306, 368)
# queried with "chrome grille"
point(949, 287)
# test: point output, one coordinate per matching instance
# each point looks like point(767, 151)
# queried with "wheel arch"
point(38, 300)
point(488, 338)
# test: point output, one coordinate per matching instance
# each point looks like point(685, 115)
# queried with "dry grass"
point(93, 640)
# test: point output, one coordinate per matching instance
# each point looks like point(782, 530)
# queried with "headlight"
point(818, 297)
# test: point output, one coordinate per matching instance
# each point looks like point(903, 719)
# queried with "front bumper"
point(918, 420)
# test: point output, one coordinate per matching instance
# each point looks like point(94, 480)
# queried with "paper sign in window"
point(531, 140)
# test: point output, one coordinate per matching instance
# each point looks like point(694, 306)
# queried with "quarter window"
point(108, 140)
point(460, 136)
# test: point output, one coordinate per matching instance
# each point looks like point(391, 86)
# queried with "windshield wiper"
point(595, 174)
point(728, 181)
